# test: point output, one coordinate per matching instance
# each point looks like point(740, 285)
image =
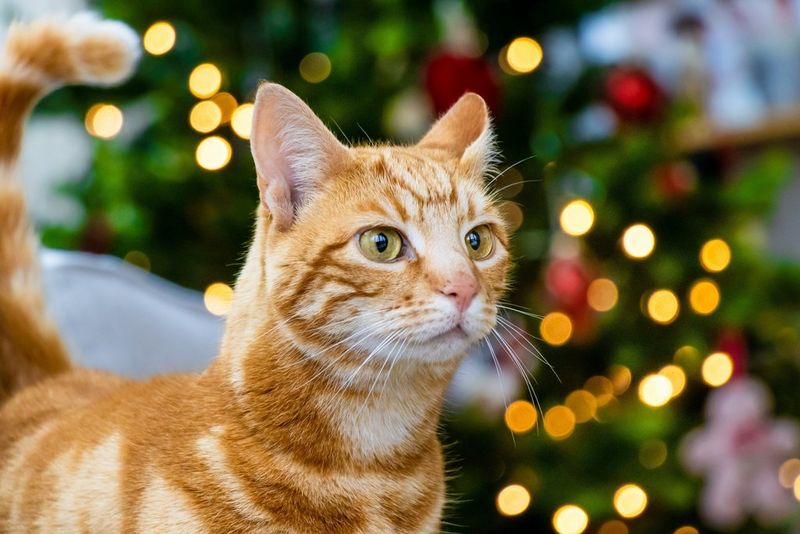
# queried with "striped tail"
point(36, 59)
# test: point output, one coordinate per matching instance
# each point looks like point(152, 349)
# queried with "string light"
point(217, 298)
point(104, 121)
point(159, 38)
point(715, 255)
point(620, 378)
point(686, 530)
point(582, 404)
point(638, 241)
point(523, 55)
point(213, 153)
point(663, 306)
point(655, 390)
point(205, 80)
point(521, 416)
point(615, 526)
point(556, 328)
point(227, 105)
point(717, 369)
point(315, 67)
point(704, 297)
point(559, 422)
point(513, 500)
point(242, 120)
point(676, 376)
point(630, 500)
point(788, 472)
point(570, 519)
point(205, 116)
point(602, 389)
point(577, 218)
point(139, 259)
point(602, 294)
point(653, 453)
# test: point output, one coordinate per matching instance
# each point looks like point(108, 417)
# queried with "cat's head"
point(379, 250)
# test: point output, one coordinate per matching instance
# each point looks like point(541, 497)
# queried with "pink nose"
point(462, 287)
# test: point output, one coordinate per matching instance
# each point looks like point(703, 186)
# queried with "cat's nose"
point(462, 288)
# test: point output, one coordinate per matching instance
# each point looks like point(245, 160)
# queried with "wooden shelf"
point(700, 134)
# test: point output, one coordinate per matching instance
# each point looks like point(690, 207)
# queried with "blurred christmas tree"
point(645, 255)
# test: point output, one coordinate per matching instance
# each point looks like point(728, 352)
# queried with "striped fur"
point(320, 413)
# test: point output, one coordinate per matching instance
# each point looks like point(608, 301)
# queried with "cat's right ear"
point(293, 151)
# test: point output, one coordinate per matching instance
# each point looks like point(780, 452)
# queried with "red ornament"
point(567, 282)
point(449, 75)
point(733, 343)
point(634, 95)
point(675, 180)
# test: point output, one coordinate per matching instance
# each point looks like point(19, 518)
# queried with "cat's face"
point(389, 252)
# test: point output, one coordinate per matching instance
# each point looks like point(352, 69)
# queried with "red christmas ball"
point(675, 180)
point(449, 75)
point(634, 95)
point(567, 282)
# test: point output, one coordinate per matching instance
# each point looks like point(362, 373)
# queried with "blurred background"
point(651, 172)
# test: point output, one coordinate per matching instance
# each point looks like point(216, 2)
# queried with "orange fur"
point(320, 413)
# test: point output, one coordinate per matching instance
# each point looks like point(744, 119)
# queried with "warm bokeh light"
point(512, 214)
point(686, 530)
point(227, 105)
point(788, 472)
point(663, 306)
point(213, 153)
point(159, 38)
point(630, 500)
point(523, 55)
point(676, 376)
point(577, 217)
point(704, 297)
point(620, 378)
point(717, 369)
point(582, 404)
point(104, 121)
point(687, 357)
point(556, 328)
point(521, 416)
point(715, 255)
point(570, 519)
point(315, 67)
point(242, 120)
point(653, 453)
point(638, 241)
point(655, 390)
point(205, 80)
point(218, 297)
point(602, 389)
point(513, 500)
point(602, 294)
point(205, 116)
point(797, 488)
point(139, 259)
point(615, 526)
point(559, 422)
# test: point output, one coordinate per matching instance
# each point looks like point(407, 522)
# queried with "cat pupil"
point(474, 240)
point(381, 242)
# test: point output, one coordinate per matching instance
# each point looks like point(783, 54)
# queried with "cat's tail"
point(36, 59)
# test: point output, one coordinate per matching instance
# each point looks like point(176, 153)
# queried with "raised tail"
point(36, 59)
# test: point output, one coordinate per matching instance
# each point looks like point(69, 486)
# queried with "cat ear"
point(465, 131)
point(292, 149)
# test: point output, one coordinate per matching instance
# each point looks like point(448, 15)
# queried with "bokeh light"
point(717, 369)
point(513, 500)
point(715, 255)
point(602, 294)
point(521, 416)
point(582, 404)
point(205, 80)
point(630, 500)
point(676, 376)
point(512, 214)
point(217, 298)
point(213, 153)
point(556, 328)
point(788, 472)
point(139, 259)
point(227, 105)
point(205, 116)
point(602, 389)
point(704, 297)
point(559, 422)
point(577, 218)
point(242, 120)
point(797, 488)
point(104, 121)
point(655, 390)
point(570, 519)
point(615, 526)
point(653, 453)
point(315, 67)
point(686, 530)
point(159, 38)
point(523, 55)
point(663, 306)
point(620, 378)
point(638, 241)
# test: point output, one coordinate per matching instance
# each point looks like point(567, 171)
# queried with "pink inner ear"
point(460, 127)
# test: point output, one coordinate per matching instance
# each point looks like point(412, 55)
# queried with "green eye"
point(381, 244)
point(480, 242)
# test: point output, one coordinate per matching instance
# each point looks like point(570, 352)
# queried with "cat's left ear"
point(293, 151)
point(465, 131)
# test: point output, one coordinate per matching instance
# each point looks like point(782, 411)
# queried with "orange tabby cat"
point(373, 269)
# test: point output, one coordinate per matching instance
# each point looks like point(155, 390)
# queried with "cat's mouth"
point(455, 332)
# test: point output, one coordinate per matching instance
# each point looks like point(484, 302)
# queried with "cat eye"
point(480, 242)
point(381, 244)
